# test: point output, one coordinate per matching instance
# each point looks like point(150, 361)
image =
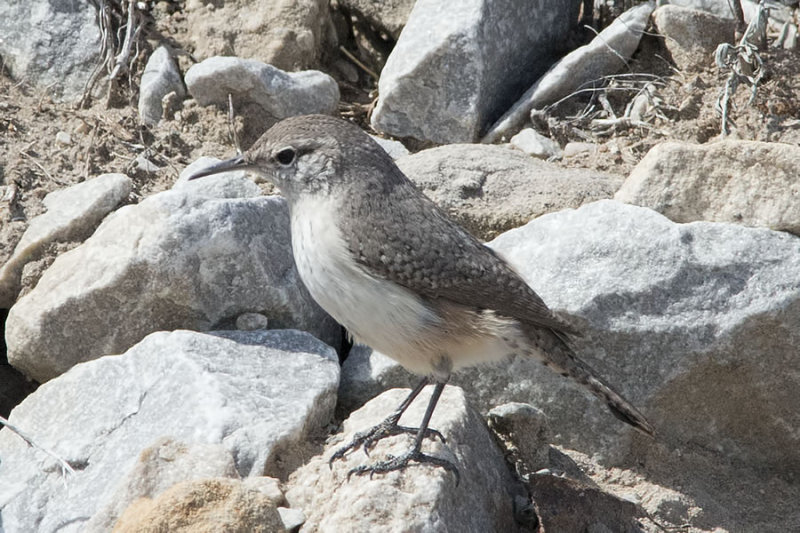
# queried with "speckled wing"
point(406, 238)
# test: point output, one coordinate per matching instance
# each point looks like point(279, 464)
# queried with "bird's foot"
point(399, 463)
point(368, 439)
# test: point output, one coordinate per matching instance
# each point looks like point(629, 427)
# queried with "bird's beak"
point(235, 163)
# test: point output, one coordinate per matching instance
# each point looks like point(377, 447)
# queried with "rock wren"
point(390, 266)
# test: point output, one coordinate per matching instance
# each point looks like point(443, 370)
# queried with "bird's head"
point(310, 154)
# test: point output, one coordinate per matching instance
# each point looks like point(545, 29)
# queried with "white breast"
point(377, 312)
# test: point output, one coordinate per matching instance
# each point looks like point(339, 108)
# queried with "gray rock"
point(292, 518)
point(63, 138)
point(419, 498)
point(571, 149)
point(691, 36)
point(160, 77)
point(234, 184)
point(159, 467)
point(258, 396)
point(72, 214)
point(290, 34)
point(277, 93)
point(790, 41)
point(490, 189)
point(779, 13)
point(526, 428)
point(51, 45)
point(389, 16)
point(534, 143)
point(677, 318)
point(188, 258)
point(144, 164)
point(394, 148)
point(251, 321)
point(606, 54)
point(718, 8)
point(450, 73)
point(744, 182)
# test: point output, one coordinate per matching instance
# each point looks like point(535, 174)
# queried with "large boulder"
point(691, 36)
point(53, 46)
point(290, 34)
point(420, 497)
point(160, 78)
point(73, 213)
point(457, 66)
point(491, 189)
point(744, 182)
point(194, 257)
point(258, 395)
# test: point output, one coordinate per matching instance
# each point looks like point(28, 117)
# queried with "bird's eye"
point(286, 156)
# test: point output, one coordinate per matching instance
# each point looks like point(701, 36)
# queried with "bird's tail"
point(557, 354)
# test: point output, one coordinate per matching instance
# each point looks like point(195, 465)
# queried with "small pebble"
point(534, 143)
point(63, 138)
point(291, 518)
point(144, 164)
point(575, 148)
point(251, 321)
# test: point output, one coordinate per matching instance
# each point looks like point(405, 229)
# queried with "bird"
point(389, 265)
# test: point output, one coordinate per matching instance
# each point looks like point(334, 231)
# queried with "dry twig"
point(744, 63)
point(232, 125)
point(65, 466)
point(115, 52)
point(355, 60)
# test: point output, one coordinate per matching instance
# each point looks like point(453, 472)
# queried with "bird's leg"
point(368, 439)
point(415, 453)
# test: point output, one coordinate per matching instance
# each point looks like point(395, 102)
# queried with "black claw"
point(369, 439)
point(399, 463)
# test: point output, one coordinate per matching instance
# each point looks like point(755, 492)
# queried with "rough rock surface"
point(261, 396)
point(261, 90)
point(29, 30)
point(447, 76)
point(491, 189)
point(160, 77)
point(194, 257)
point(290, 34)
point(691, 35)
point(158, 468)
point(208, 506)
point(692, 312)
point(527, 429)
point(420, 498)
point(745, 182)
point(389, 16)
point(394, 148)
point(72, 214)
